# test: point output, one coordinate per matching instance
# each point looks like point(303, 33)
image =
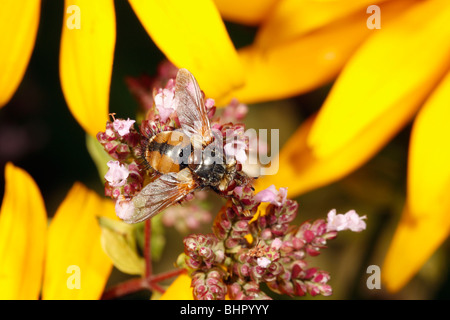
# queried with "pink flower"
point(124, 209)
point(273, 196)
point(263, 262)
point(355, 222)
point(165, 103)
point(236, 149)
point(276, 244)
point(348, 221)
point(185, 218)
point(209, 103)
point(117, 174)
point(271, 252)
point(123, 126)
point(236, 143)
point(234, 112)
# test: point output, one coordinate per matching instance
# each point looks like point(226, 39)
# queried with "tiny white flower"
point(355, 223)
point(276, 244)
point(165, 103)
point(263, 262)
point(117, 174)
point(124, 209)
point(348, 221)
point(272, 195)
point(236, 149)
point(123, 126)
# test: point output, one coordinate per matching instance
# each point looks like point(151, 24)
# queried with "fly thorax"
point(208, 165)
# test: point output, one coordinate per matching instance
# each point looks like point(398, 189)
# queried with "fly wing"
point(161, 193)
point(191, 108)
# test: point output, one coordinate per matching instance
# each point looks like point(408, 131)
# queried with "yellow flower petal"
point(303, 63)
point(19, 21)
point(249, 12)
point(23, 229)
point(86, 60)
point(390, 71)
point(429, 162)
point(74, 252)
point(192, 35)
point(180, 289)
point(301, 171)
point(291, 18)
point(425, 222)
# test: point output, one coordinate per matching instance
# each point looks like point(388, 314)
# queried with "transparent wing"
point(191, 108)
point(160, 194)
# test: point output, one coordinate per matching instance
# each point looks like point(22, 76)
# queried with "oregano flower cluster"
point(254, 240)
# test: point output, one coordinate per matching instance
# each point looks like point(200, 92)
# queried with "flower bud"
point(209, 285)
point(199, 250)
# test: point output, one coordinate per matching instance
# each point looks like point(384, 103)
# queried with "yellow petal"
point(74, 252)
point(180, 289)
point(425, 222)
point(249, 12)
point(291, 18)
point(23, 229)
point(389, 72)
point(19, 21)
point(86, 60)
point(429, 155)
point(300, 170)
point(304, 63)
point(192, 35)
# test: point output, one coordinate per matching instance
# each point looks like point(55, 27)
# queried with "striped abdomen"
point(168, 151)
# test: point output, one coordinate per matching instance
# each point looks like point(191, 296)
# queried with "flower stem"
point(124, 288)
point(148, 281)
point(148, 249)
point(167, 275)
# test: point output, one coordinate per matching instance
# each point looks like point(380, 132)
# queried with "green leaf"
point(119, 244)
point(98, 155)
